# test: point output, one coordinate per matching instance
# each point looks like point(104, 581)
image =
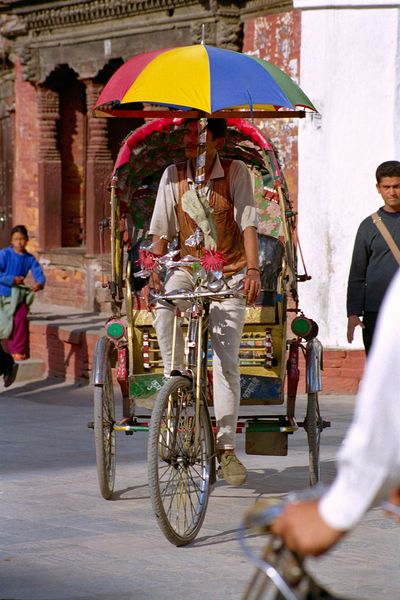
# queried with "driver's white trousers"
point(226, 325)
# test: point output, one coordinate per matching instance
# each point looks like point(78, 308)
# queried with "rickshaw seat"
point(262, 384)
point(271, 253)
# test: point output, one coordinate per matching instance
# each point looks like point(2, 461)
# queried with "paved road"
point(62, 541)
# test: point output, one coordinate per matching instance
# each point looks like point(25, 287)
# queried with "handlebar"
point(259, 518)
point(195, 295)
point(263, 519)
point(280, 565)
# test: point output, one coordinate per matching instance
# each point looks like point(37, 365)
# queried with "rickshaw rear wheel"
point(104, 434)
point(312, 425)
point(178, 468)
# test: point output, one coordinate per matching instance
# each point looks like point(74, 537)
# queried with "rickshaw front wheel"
point(179, 460)
point(104, 434)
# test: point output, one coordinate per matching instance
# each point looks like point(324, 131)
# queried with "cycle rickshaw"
point(267, 357)
point(181, 449)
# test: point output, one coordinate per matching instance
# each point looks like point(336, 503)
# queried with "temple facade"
point(56, 157)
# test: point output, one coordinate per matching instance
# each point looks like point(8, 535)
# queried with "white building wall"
point(350, 70)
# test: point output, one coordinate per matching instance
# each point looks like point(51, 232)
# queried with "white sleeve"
point(369, 460)
point(241, 189)
point(164, 221)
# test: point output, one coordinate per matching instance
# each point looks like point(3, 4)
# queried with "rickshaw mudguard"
point(313, 366)
point(101, 357)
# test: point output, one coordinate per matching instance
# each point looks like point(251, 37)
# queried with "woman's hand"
point(251, 285)
point(36, 287)
point(18, 280)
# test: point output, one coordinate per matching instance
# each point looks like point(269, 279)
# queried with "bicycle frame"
point(277, 565)
point(195, 354)
point(196, 342)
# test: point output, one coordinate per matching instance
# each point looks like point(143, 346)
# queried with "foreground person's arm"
point(369, 460)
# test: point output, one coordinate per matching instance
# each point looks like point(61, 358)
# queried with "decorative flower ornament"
point(212, 260)
point(148, 260)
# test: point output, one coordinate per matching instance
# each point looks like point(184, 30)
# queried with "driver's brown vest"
point(229, 237)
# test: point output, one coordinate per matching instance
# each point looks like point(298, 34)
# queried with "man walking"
point(376, 255)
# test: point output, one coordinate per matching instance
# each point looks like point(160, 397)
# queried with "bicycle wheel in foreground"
point(312, 425)
point(104, 434)
point(179, 468)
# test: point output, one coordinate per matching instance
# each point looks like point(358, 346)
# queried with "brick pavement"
point(62, 541)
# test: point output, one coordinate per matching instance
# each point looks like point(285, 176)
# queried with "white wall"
point(348, 69)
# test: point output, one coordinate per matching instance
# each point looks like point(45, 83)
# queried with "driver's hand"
point(251, 286)
point(154, 284)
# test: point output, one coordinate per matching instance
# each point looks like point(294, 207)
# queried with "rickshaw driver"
point(230, 193)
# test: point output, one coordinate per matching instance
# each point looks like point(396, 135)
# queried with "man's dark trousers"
point(369, 320)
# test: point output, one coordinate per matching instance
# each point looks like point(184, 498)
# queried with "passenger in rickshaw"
point(230, 194)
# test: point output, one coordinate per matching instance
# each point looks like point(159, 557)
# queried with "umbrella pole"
point(200, 176)
point(201, 155)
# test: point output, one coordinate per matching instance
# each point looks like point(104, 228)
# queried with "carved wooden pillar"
point(6, 169)
point(50, 191)
point(99, 166)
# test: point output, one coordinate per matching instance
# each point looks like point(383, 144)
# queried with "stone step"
point(32, 369)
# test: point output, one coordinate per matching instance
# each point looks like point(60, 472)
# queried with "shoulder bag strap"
point(377, 220)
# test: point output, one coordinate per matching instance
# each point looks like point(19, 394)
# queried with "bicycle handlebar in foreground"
point(277, 565)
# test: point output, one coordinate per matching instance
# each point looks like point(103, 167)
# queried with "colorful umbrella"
point(202, 78)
